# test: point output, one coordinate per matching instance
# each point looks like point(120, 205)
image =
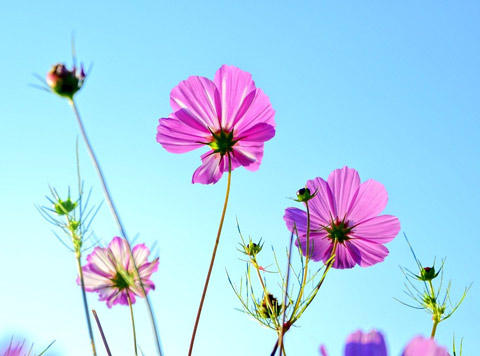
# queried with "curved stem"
point(133, 322)
point(219, 232)
point(116, 216)
point(101, 332)
point(85, 303)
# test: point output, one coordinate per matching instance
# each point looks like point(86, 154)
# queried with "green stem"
point(133, 322)
point(85, 303)
point(116, 216)
point(219, 232)
point(434, 329)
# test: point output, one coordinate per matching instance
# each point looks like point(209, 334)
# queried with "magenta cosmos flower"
point(229, 115)
point(345, 211)
point(373, 344)
point(111, 273)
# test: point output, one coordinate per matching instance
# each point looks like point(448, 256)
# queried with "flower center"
point(121, 280)
point(339, 230)
point(222, 142)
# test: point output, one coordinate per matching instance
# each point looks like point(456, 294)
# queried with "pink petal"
point(147, 269)
point(259, 110)
point(363, 344)
point(260, 132)
point(346, 256)
point(323, 350)
point(252, 153)
point(370, 201)
point(120, 252)
point(100, 262)
point(380, 229)
point(322, 206)
point(233, 85)
point(320, 246)
point(140, 253)
point(93, 280)
point(209, 172)
point(369, 253)
point(199, 96)
point(344, 184)
point(178, 137)
point(421, 346)
point(296, 220)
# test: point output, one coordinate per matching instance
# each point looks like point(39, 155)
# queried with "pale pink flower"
point(345, 211)
point(422, 346)
point(111, 273)
point(229, 115)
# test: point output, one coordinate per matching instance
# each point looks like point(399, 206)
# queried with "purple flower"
point(111, 273)
point(229, 115)
point(373, 344)
point(421, 346)
point(345, 211)
point(15, 350)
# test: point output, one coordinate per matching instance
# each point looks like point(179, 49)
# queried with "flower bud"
point(64, 207)
point(65, 82)
point(304, 195)
point(427, 274)
point(269, 308)
point(252, 249)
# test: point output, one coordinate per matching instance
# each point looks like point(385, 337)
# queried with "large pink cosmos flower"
point(345, 211)
point(229, 115)
point(111, 273)
point(373, 344)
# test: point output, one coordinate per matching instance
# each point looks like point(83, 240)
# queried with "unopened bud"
point(64, 207)
point(65, 82)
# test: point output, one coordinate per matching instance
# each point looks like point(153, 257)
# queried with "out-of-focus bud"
point(427, 274)
point(65, 82)
point(269, 308)
point(64, 207)
point(252, 249)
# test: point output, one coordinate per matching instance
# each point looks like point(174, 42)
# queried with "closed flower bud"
point(65, 82)
point(269, 308)
point(304, 195)
point(427, 274)
point(252, 249)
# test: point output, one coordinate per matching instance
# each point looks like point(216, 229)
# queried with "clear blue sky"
point(388, 88)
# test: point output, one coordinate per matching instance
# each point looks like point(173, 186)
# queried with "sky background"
point(388, 88)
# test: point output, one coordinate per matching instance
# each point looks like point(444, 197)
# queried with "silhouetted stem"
point(213, 257)
point(133, 322)
point(116, 217)
point(85, 303)
point(101, 332)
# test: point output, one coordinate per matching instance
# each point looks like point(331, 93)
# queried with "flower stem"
point(101, 332)
point(133, 322)
point(85, 303)
point(213, 257)
point(116, 217)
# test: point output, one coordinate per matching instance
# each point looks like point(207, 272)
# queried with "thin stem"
point(434, 329)
point(116, 217)
point(85, 303)
point(101, 332)
point(133, 322)
point(213, 257)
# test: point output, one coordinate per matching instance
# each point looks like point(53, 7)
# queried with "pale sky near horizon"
point(390, 89)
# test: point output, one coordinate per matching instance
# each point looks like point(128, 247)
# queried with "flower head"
point(111, 273)
point(422, 346)
point(17, 349)
point(373, 344)
point(65, 82)
point(344, 211)
point(229, 115)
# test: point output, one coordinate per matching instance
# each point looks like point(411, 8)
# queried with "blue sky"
point(390, 89)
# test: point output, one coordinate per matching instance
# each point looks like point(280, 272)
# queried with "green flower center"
point(339, 230)
point(122, 280)
point(223, 142)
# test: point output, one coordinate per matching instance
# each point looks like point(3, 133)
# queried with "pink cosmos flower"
point(229, 115)
point(422, 346)
point(373, 344)
point(343, 210)
point(111, 273)
point(15, 350)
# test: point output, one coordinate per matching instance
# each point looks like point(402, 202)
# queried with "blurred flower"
point(111, 273)
point(345, 211)
point(65, 82)
point(373, 344)
point(422, 346)
point(228, 114)
point(18, 349)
